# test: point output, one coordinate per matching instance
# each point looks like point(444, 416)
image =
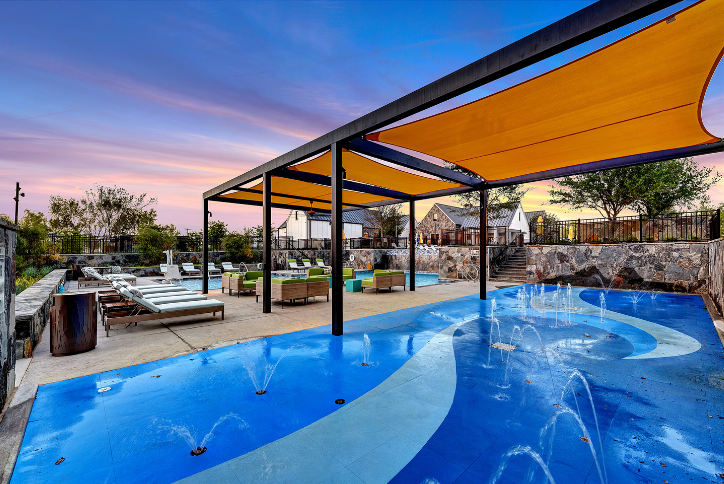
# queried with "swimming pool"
point(195, 284)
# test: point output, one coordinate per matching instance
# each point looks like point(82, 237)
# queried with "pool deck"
point(243, 321)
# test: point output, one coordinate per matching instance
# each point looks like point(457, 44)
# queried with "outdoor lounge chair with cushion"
point(320, 263)
point(294, 266)
point(212, 268)
point(228, 267)
point(188, 268)
point(145, 310)
point(384, 279)
point(163, 268)
point(348, 273)
point(92, 276)
point(307, 263)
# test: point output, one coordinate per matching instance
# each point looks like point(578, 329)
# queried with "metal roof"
point(459, 217)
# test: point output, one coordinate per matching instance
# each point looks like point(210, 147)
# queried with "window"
point(434, 217)
point(519, 216)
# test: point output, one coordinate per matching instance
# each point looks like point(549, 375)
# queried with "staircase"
point(512, 270)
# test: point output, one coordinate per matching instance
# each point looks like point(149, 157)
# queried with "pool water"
point(421, 278)
point(634, 397)
point(195, 284)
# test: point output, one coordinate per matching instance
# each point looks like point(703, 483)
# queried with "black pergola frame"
point(590, 22)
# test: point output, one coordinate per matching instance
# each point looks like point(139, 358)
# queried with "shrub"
point(237, 246)
point(152, 240)
point(30, 272)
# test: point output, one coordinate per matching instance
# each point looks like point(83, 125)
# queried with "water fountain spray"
point(366, 351)
point(602, 300)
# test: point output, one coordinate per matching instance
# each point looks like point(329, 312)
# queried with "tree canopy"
point(651, 189)
point(389, 219)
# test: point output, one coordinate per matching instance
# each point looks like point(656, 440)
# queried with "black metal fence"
point(464, 236)
point(686, 226)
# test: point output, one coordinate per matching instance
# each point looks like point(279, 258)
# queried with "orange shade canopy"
point(358, 168)
point(640, 94)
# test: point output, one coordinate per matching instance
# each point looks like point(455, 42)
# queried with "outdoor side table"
point(73, 323)
point(353, 285)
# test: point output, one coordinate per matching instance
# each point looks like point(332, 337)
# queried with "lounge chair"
point(188, 268)
point(212, 268)
point(92, 276)
point(294, 266)
point(307, 263)
point(163, 268)
point(320, 263)
point(146, 310)
point(384, 279)
point(229, 267)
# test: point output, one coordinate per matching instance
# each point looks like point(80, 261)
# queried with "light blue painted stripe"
point(368, 440)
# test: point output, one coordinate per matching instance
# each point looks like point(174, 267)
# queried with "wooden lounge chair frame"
point(137, 315)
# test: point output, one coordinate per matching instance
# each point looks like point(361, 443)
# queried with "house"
point(501, 230)
point(301, 225)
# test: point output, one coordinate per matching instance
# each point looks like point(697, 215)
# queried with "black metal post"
point(204, 265)
point(17, 200)
point(483, 244)
point(337, 248)
point(266, 242)
point(412, 245)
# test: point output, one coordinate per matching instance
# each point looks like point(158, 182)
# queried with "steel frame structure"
point(592, 21)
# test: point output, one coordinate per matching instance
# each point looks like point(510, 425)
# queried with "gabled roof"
point(360, 217)
point(534, 215)
point(459, 217)
point(284, 224)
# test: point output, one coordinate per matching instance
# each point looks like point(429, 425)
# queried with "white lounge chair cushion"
point(181, 306)
point(189, 267)
point(155, 295)
point(169, 288)
point(191, 296)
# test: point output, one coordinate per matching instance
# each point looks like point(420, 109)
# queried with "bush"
point(237, 246)
point(671, 239)
point(152, 240)
point(31, 272)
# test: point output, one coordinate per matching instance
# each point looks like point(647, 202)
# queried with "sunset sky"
point(173, 98)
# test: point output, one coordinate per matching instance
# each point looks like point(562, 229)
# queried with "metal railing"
point(685, 226)
point(465, 236)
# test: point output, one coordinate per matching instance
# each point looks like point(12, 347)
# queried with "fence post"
point(641, 228)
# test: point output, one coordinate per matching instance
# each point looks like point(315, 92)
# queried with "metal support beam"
point(579, 27)
point(412, 245)
point(337, 242)
point(267, 242)
point(205, 265)
point(347, 184)
point(689, 151)
point(255, 203)
point(483, 244)
point(294, 197)
point(365, 147)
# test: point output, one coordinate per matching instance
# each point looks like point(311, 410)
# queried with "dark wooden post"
point(205, 250)
point(483, 244)
point(412, 245)
point(266, 242)
point(337, 248)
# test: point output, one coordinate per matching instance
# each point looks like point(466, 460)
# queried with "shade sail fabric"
point(640, 94)
point(358, 168)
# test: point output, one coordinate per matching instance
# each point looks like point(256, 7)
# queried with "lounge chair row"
point(92, 276)
point(158, 301)
point(306, 264)
point(189, 268)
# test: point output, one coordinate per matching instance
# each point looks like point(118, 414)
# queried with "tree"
point(238, 246)
point(389, 219)
point(500, 200)
point(679, 183)
point(153, 240)
point(217, 231)
point(608, 192)
point(104, 211)
point(32, 245)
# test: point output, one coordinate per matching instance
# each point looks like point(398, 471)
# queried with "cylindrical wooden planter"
point(73, 323)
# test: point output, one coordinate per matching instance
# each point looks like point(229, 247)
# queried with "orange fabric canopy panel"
point(640, 94)
point(370, 172)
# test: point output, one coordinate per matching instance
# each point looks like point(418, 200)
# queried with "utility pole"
point(17, 199)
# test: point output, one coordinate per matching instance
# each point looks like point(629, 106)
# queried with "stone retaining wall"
point(676, 266)
point(453, 259)
point(716, 272)
point(32, 312)
point(7, 304)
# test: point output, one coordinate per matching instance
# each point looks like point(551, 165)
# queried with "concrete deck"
point(244, 321)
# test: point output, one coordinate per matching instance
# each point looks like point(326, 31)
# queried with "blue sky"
point(173, 98)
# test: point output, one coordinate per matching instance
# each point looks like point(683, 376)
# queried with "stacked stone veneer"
point(7, 305)
point(668, 266)
point(453, 259)
point(32, 312)
point(716, 272)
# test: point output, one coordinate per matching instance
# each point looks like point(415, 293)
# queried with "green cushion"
point(253, 275)
point(318, 278)
point(347, 271)
point(305, 260)
point(292, 260)
point(315, 271)
point(392, 273)
point(249, 284)
point(236, 275)
point(379, 272)
point(347, 276)
point(367, 282)
point(226, 274)
point(288, 281)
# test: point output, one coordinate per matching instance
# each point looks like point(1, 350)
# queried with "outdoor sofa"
point(150, 309)
point(293, 289)
point(384, 279)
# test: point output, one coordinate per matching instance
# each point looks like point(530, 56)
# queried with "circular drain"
point(198, 451)
point(261, 392)
point(339, 401)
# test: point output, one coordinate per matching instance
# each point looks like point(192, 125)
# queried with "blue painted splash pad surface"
point(655, 411)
